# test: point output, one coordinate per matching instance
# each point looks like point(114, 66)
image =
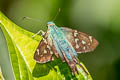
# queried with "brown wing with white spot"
point(43, 52)
point(80, 41)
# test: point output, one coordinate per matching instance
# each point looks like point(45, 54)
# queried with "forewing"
point(80, 41)
point(43, 52)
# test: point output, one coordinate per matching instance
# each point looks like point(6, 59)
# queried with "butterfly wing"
point(43, 52)
point(80, 41)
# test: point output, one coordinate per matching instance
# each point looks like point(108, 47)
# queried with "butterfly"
point(64, 43)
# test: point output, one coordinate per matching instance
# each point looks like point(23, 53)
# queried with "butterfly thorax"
point(58, 36)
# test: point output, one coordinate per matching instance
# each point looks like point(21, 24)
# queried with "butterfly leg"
point(71, 64)
point(77, 62)
point(40, 31)
point(73, 67)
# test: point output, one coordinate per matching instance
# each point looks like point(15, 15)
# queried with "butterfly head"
point(49, 24)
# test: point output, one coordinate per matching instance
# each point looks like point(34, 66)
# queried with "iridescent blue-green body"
point(65, 43)
point(61, 42)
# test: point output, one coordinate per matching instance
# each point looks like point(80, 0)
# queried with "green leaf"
point(1, 75)
point(21, 48)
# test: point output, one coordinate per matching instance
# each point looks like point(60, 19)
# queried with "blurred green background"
point(99, 18)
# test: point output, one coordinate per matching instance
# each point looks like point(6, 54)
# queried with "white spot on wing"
point(75, 31)
point(84, 47)
point(41, 55)
point(76, 40)
point(51, 52)
point(83, 42)
point(88, 43)
point(90, 37)
point(48, 47)
point(52, 58)
point(38, 51)
point(45, 41)
point(75, 34)
point(45, 51)
point(77, 46)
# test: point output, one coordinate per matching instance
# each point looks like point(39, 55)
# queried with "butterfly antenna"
point(57, 14)
point(25, 17)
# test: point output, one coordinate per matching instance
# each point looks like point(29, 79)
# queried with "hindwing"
point(43, 52)
point(80, 41)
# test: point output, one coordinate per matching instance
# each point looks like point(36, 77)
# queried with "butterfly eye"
point(49, 25)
